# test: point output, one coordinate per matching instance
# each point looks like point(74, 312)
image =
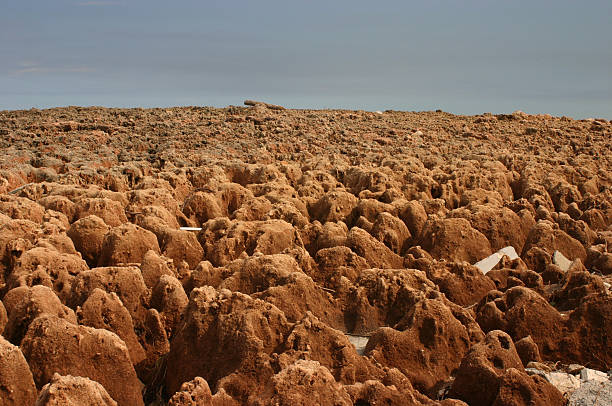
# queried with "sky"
point(464, 57)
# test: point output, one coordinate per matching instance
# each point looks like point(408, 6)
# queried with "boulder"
point(126, 244)
point(73, 391)
point(110, 211)
point(16, 383)
point(377, 254)
point(53, 345)
point(36, 301)
point(492, 373)
point(87, 234)
point(104, 310)
point(454, 239)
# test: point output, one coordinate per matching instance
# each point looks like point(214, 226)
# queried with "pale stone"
point(565, 383)
point(489, 262)
point(359, 342)
point(560, 260)
point(588, 374)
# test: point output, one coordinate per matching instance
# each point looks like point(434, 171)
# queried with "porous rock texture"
point(318, 229)
point(73, 391)
point(16, 382)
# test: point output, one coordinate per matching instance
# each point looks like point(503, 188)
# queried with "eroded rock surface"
point(303, 230)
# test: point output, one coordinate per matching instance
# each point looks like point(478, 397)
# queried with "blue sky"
point(465, 57)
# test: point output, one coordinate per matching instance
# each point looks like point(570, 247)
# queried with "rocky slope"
point(332, 260)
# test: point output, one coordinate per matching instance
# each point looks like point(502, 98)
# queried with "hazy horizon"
point(472, 57)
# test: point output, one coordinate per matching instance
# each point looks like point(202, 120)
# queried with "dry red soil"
point(316, 227)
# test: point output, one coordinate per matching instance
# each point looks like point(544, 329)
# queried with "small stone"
point(560, 260)
point(359, 342)
point(485, 265)
point(588, 374)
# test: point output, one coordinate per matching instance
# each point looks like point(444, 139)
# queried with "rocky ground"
point(334, 265)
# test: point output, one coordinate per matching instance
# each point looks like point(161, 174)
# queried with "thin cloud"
point(33, 69)
point(98, 3)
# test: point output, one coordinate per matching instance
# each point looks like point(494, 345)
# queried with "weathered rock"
point(152, 267)
point(337, 263)
point(3, 317)
point(392, 232)
point(53, 345)
point(48, 267)
point(126, 282)
point(87, 234)
point(16, 384)
point(305, 383)
point(20, 208)
point(426, 345)
point(500, 225)
point(492, 373)
point(464, 284)
point(38, 300)
point(455, 240)
point(197, 392)
point(60, 204)
point(589, 325)
point(521, 312)
point(126, 244)
point(110, 211)
point(528, 350)
point(375, 252)
point(334, 206)
point(180, 245)
point(104, 310)
point(73, 391)
point(579, 284)
point(169, 298)
point(224, 241)
point(414, 216)
point(383, 297)
point(215, 321)
point(544, 236)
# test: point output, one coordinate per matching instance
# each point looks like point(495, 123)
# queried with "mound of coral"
point(264, 256)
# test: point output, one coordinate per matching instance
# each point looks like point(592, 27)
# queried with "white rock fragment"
point(359, 342)
point(588, 374)
point(191, 228)
point(489, 262)
point(565, 383)
point(592, 393)
point(560, 260)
